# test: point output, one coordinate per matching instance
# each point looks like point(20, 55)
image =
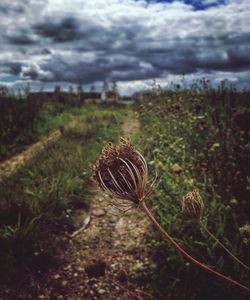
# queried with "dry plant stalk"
point(122, 172)
point(193, 207)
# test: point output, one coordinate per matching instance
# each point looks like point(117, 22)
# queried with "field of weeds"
point(199, 139)
point(196, 139)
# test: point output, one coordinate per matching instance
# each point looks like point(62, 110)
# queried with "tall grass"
point(24, 119)
point(34, 202)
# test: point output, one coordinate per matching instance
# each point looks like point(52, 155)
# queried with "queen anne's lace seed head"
point(122, 171)
point(192, 205)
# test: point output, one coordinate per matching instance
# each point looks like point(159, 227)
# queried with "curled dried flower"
point(192, 205)
point(122, 172)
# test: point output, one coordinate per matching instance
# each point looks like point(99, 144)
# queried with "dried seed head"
point(245, 233)
point(122, 171)
point(192, 205)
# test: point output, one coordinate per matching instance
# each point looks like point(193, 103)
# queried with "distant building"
point(105, 96)
point(90, 96)
point(127, 100)
point(112, 96)
point(64, 97)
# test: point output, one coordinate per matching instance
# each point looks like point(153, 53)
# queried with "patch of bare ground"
point(106, 256)
point(10, 165)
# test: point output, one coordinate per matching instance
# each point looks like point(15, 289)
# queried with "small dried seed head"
point(192, 205)
point(122, 171)
point(245, 233)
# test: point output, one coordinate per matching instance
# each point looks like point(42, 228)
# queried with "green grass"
point(191, 138)
point(35, 201)
point(23, 122)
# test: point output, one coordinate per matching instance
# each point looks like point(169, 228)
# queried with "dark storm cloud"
point(73, 69)
point(91, 40)
point(206, 53)
point(13, 68)
point(8, 8)
point(44, 51)
point(64, 30)
point(19, 38)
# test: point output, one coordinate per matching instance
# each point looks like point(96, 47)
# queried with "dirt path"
point(11, 165)
point(131, 126)
point(108, 259)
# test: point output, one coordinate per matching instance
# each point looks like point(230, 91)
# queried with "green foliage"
point(35, 200)
point(192, 138)
point(24, 120)
point(17, 118)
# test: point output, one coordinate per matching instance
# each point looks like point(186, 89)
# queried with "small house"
point(90, 97)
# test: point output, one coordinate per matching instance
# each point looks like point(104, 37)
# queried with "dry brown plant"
point(122, 172)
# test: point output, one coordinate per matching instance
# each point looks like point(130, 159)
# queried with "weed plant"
point(194, 139)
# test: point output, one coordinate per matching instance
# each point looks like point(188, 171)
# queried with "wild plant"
point(122, 172)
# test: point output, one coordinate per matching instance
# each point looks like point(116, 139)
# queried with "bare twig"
point(84, 226)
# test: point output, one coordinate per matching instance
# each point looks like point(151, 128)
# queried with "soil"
point(105, 256)
point(10, 165)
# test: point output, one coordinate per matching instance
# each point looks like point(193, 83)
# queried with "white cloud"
point(131, 41)
point(34, 71)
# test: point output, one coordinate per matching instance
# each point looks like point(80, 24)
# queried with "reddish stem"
point(224, 247)
point(185, 254)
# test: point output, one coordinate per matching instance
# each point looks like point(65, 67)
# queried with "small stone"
point(98, 212)
point(64, 283)
point(79, 269)
point(121, 226)
point(57, 276)
point(41, 297)
point(152, 266)
point(101, 291)
point(68, 267)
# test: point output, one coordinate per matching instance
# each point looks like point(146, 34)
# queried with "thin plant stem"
point(186, 255)
point(224, 247)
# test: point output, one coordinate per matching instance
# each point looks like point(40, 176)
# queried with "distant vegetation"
point(198, 138)
point(26, 115)
point(24, 118)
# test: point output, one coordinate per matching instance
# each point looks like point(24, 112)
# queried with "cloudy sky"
point(46, 42)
